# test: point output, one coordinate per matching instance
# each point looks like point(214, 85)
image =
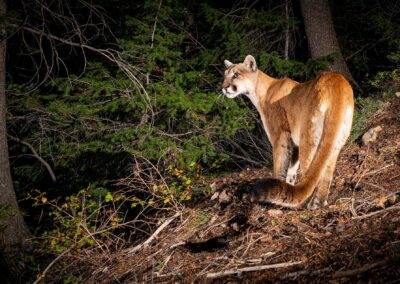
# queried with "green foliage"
point(75, 220)
point(291, 68)
point(387, 81)
point(85, 125)
point(246, 31)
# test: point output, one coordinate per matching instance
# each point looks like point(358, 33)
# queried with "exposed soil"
point(354, 239)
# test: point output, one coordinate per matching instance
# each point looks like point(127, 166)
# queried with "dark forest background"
point(114, 112)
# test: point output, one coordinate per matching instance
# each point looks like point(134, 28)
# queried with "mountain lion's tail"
point(281, 193)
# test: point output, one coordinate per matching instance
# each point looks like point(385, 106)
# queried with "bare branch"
point(155, 25)
point(37, 156)
point(396, 207)
point(110, 54)
point(365, 268)
point(251, 268)
point(43, 274)
point(154, 235)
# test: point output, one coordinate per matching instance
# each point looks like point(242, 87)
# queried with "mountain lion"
point(307, 125)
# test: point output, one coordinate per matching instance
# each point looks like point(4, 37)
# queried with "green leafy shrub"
point(78, 221)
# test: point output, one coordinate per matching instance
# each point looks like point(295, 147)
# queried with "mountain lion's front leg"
point(294, 166)
point(282, 152)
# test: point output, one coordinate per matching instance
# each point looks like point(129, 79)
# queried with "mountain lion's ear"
point(227, 63)
point(250, 63)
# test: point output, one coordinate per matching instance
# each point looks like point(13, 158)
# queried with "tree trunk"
point(13, 230)
point(321, 35)
point(287, 34)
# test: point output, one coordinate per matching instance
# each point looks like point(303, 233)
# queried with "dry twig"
point(214, 275)
point(43, 274)
point(153, 236)
point(376, 212)
point(165, 262)
point(365, 268)
point(308, 272)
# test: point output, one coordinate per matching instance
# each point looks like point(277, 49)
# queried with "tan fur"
point(314, 118)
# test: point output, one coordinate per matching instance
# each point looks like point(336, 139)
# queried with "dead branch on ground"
point(153, 236)
point(224, 273)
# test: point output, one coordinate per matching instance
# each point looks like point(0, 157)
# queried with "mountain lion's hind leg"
point(309, 141)
point(320, 196)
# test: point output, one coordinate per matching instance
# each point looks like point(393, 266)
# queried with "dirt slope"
point(355, 239)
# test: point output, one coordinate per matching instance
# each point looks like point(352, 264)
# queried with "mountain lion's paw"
point(315, 203)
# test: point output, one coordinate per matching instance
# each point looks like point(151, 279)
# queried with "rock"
point(235, 227)
point(371, 135)
point(215, 195)
point(275, 212)
point(224, 197)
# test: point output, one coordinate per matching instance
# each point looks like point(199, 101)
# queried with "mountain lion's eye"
point(235, 75)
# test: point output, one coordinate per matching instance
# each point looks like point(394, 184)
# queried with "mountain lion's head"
point(240, 78)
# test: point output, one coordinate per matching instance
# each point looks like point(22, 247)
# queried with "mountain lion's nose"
point(225, 86)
